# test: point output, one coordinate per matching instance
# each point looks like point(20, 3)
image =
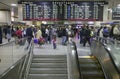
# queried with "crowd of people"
point(85, 33)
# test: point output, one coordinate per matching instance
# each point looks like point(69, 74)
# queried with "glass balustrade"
point(11, 52)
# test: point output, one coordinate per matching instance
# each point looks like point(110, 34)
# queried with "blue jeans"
point(64, 38)
point(54, 46)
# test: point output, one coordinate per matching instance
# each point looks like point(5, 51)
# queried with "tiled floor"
point(48, 49)
point(4, 41)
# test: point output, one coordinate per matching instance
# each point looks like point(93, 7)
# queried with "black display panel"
point(67, 10)
point(116, 13)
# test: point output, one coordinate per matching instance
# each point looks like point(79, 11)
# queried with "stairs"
point(48, 67)
point(90, 68)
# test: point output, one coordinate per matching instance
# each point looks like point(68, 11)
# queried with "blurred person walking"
point(86, 36)
point(29, 34)
point(54, 42)
point(8, 36)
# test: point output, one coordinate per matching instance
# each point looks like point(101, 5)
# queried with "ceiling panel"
point(4, 7)
point(6, 4)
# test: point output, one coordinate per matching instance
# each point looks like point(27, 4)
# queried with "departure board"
point(116, 13)
point(67, 10)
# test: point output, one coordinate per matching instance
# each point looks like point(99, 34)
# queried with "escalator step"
point(92, 73)
point(49, 60)
point(48, 76)
point(49, 65)
point(89, 66)
point(48, 70)
point(88, 60)
point(49, 56)
point(93, 77)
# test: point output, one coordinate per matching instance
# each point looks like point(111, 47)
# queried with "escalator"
point(48, 67)
point(90, 68)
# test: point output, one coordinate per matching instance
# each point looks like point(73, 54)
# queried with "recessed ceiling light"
point(90, 22)
point(118, 5)
point(13, 4)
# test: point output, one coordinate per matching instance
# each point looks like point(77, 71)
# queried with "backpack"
point(105, 33)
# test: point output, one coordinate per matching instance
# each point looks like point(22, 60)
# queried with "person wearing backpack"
point(105, 32)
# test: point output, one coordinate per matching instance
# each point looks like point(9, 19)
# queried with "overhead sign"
point(116, 13)
point(63, 10)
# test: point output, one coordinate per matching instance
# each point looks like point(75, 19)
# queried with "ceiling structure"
point(6, 4)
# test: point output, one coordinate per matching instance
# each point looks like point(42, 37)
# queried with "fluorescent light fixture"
point(118, 5)
point(79, 22)
point(44, 22)
point(14, 5)
point(90, 22)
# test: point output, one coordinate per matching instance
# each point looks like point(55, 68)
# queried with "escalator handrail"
point(112, 59)
point(109, 53)
point(25, 67)
point(106, 39)
point(75, 54)
point(77, 60)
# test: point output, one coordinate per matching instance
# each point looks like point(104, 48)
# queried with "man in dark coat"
point(29, 34)
point(86, 36)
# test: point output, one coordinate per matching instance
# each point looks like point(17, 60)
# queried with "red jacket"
point(19, 33)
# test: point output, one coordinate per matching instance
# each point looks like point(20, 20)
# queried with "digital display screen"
point(116, 13)
point(63, 10)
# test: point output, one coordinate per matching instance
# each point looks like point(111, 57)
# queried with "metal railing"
point(73, 62)
point(27, 62)
point(110, 41)
point(102, 49)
